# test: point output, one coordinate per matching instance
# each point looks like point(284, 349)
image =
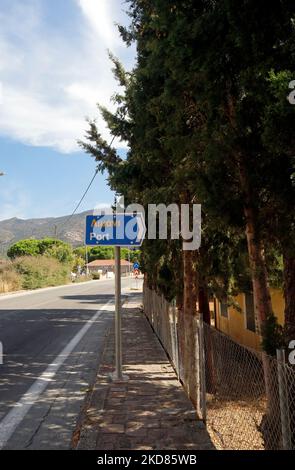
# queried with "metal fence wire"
point(247, 397)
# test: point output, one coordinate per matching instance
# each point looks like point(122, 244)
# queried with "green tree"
point(132, 255)
point(206, 77)
point(62, 252)
point(278, 137)
point(24, 248)
point(48, 246)
point(101, 252)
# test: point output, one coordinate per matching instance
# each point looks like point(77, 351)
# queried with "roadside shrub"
point(95, 276)
point(50, 247)
point(24, 248)
point(82, 278)
point(41, 271)
point(62, 252)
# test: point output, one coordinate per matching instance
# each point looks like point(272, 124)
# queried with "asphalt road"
point(52, 342)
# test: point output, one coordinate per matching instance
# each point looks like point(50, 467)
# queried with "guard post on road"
point(117, 230)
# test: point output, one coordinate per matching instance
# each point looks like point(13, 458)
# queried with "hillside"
point(15, 229)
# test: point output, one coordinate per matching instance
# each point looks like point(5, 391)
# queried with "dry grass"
point(235, 425)
point(10, 280)
point(41, 271)
point(32, 272)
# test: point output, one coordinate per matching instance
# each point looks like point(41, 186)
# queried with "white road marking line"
point(14, 417)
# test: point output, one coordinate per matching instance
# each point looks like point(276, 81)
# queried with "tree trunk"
point(189, 316)
point(262, 303)
point(262, 300)
point(289, 294)
point(204, 306)
point(180, 333)
point(261, 294)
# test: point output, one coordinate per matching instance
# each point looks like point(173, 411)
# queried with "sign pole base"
point(114, 377)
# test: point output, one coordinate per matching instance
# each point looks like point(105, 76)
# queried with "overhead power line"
point(77, 206)
point(84, 195)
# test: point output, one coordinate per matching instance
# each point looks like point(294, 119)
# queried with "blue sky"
point(54, 68)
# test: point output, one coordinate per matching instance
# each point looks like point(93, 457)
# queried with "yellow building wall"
point(235, 325)
point(278, 305)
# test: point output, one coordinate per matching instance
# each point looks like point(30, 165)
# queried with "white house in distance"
point(107, 266)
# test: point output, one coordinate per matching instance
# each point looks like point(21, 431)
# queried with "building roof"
point(107, 262)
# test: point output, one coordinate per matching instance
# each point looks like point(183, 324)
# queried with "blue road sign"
point(115, 230)
point(136, 266)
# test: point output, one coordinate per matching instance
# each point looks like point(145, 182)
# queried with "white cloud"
point(99, 15)
point(102, 208)
point(52, 77)
point(31, 120)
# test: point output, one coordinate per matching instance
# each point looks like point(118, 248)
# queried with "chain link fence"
point(247, 398)
point(163, 317)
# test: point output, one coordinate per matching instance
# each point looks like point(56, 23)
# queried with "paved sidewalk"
point(151, 410)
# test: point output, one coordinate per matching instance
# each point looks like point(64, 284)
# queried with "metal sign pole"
point(99, 231)
point(86, 259)
point(118, 372)
point(129, 269)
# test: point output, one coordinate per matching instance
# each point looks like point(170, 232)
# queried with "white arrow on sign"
point(141, 228)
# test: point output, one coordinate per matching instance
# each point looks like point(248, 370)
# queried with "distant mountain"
point(16, 229)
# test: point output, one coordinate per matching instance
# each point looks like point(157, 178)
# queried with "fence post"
point(202, 370)
point(153, 308)
point(175, 340)
point(284, 402)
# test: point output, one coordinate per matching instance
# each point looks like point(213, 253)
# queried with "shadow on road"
point(100, 298)
point(89, 298)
